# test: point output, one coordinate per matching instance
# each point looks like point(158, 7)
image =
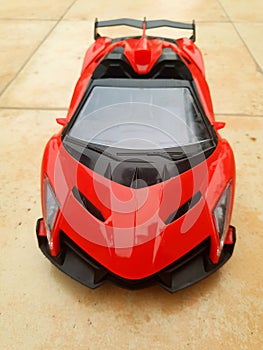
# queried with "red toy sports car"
point(137, 188)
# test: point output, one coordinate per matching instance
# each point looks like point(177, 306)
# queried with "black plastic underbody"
point(191, 268)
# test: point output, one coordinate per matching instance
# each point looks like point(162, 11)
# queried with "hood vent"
point(135, 169)
point(133, 173)
point(183, 208)
point(87, 204)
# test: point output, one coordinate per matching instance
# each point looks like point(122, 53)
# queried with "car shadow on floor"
point(109, 295)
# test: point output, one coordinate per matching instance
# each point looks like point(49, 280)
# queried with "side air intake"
point(183, 208)
point(87, 204)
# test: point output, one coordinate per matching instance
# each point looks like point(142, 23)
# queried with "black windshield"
point(139, 132)
point(140, 118)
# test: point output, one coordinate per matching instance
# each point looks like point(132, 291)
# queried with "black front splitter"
point(191, 268)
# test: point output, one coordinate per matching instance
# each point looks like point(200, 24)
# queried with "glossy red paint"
point(139, 214)
point(134, 241)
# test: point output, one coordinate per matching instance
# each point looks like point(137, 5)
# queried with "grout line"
point(258, 68)
point(227, 21)
point(72, 19)
point(34, 108)
point(37, 47)
point(28, 59)
point(178, 20)
point(67, 10)
point(25, 19)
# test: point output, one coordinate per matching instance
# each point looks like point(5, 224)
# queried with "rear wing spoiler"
point(143, 25)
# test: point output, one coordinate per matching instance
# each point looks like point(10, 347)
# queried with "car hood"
point(121, 226)
point(113, 215)
point(138, 168)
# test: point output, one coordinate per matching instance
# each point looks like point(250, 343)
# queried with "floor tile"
point(47, 9)
point(18, 40)
point(250, 33)
point(245, 136)
point(235, 82)
point(242, 10)
point(48, 79)
point(174, 10)
point(21, 148)
point(40, 307)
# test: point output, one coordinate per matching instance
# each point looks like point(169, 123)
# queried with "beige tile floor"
point(42, 45)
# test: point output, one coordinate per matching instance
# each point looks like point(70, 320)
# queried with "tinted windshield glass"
point(140, 118)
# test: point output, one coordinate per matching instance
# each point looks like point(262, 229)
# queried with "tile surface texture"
point(18, 41)
point(42, 46)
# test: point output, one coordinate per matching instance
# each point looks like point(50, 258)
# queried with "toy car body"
point(138, 186)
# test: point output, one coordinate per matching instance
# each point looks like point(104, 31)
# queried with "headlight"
point(222, 214)
point(51, 207)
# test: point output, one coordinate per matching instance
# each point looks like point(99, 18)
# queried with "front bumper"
point(191, 268)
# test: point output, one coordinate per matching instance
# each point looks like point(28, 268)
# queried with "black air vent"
point(87, 204)
point(114, 65)
point(183, 208)
point(122, 167)
point(170, 66)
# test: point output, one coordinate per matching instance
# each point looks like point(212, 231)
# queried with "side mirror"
point(218, 125)
point(61, 121)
